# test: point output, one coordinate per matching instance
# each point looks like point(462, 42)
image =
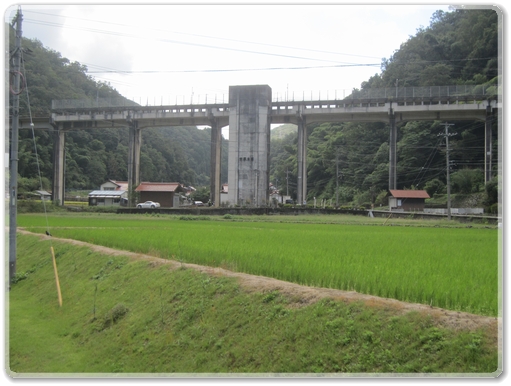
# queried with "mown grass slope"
point(121, 315)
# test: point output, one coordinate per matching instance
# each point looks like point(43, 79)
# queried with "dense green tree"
point(467, 181)
point(283, 164)
point(201, 194)
point(434, 186)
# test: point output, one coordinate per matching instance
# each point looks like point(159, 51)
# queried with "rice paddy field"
point(444, 265)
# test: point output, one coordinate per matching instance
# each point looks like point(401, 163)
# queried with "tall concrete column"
point(249, 145)
point(301, 186)
point(488, 145)
point(134, 143)
point(58, 189)
point(392, 150)
point(216, 156)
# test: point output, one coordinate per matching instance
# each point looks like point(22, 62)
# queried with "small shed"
point(408, 200)
point(108, 198)
point(162, 192)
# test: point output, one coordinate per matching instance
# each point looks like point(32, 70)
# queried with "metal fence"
point(477, 91)
point(91, 103)
point(394, 93)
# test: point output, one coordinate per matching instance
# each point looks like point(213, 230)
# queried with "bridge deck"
point(407, 103)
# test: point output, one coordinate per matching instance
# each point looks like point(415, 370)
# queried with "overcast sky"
point(173, 53)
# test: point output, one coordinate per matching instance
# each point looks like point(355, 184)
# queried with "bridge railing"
point(469, 91)
point(121, 102)
point(394, 93)
point(95, 103)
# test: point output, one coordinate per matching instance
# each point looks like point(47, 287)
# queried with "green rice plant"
point(454, 268)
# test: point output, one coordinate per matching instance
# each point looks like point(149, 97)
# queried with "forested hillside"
point(458, 48)
point(176, 154)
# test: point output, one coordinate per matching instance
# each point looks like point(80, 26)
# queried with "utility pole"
point(447, 135)
point(16, 89)
point(287, 181)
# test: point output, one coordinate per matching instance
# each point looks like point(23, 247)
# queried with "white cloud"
point(152, 41)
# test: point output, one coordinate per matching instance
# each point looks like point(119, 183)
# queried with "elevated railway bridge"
point(251, 109)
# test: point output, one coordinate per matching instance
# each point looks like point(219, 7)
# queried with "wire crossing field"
point(453, 268)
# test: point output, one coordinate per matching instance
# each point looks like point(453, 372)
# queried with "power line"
point(229, 70)
point(171, 41)
point(211, 37)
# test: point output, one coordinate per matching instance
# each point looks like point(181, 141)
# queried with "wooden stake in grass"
point(390, 215)
point(56, 276)
point(94, 309)
point(161, 305)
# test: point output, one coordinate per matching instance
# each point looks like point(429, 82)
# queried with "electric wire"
point(201, 45)
point(210, 37)
point(197, 35)
point(35, 150)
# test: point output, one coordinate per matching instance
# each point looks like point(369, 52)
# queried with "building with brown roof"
point(408, 200)
point(162, 192)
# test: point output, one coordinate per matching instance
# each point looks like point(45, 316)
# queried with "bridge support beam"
point(301, 186)
point(249, 145)
point(216, 156)
point(58, 190)
point(392, 151)
point(488, 145)
point(134, 143)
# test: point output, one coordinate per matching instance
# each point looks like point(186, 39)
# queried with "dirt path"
point(303, 295)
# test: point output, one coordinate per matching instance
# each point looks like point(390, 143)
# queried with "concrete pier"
point(58, 165)
point(216, 157)
point(134, 144)
point(249, 145)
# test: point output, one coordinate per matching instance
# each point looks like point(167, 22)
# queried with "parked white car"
point(148, 204)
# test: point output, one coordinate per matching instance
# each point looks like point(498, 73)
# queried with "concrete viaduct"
point(249, 114)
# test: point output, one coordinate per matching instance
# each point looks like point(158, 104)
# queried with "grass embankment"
point(449, 267)
point(126, 316)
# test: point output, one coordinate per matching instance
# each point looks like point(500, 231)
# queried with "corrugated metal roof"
point(43, 192)
point(106, 193)
point(409, 193)
point(158, 187)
